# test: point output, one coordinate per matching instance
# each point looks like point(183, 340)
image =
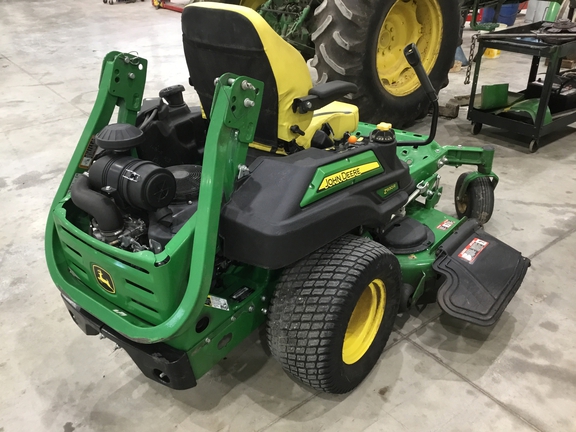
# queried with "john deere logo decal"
point(104, 279)
point(347, 174)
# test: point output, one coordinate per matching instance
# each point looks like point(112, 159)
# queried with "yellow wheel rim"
point(462, 205)
point(408, 21)
point(364, 322)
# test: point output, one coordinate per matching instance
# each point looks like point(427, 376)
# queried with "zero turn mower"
point(177, 232)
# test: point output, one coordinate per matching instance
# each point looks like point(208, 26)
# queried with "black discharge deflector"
point(481, 273)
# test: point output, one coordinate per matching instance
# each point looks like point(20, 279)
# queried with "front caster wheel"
point(476, 128)
point(533, 146)
point(478, 199)
point(333, 311)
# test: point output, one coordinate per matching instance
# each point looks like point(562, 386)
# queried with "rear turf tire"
point(478, 200)
point(312, 308)
point(348, 40)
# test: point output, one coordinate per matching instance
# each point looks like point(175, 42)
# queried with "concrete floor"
point(435, 375)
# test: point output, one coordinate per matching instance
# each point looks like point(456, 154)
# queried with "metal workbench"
point(538, 50)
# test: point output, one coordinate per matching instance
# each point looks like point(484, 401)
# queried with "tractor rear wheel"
point(333, 311)
point(363, 41)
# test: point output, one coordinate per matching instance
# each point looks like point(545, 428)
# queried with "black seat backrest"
point(220, 38)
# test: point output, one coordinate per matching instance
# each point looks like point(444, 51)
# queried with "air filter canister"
point(140, 184)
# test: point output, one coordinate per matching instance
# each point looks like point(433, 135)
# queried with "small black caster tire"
point(478, 200)
point(476, 128)
point(105, 1)
point(406, 293)
point(533, 147)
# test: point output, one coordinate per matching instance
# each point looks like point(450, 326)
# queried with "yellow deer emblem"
point(104, 279)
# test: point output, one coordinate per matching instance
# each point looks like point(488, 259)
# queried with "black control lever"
point(413, 58)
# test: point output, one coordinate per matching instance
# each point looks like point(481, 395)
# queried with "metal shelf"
point(538, 50)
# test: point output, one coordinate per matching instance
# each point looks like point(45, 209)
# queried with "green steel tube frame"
point(231, 130)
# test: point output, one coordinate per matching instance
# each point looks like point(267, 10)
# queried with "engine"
point(134, 204)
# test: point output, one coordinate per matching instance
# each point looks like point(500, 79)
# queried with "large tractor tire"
point(333, 311)
point(362, 41)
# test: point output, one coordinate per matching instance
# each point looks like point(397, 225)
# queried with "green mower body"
point(179, 304)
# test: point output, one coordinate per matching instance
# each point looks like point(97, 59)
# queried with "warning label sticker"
point(217, 303)
point(471, 252)
point(89, 154)
point(444, 226)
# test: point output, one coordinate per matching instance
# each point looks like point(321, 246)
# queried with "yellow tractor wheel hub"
point(364, 322)
point(412, 21)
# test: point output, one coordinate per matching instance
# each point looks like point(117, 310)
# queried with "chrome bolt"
point(308, 105)
point(207, 340)
point(215, 81)
point(232, 318)
point(251, 308)
point(231, 81)
point(248, 103)
point(264, 311)
point(131, 75)
point(247, 86)
point(263, 298)
point(243, 171)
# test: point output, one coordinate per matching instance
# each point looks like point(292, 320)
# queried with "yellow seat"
point(220, 38)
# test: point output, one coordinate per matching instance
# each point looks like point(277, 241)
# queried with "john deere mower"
point(177, 231)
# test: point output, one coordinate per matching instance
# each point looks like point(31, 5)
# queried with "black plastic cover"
point(163, 230)
point(119, 136)
point(481, 274)
point(264, 225)
point(176, 135)
point(406, 236)
point(159, 362)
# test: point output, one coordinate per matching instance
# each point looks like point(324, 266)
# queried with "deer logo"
point(104, 279)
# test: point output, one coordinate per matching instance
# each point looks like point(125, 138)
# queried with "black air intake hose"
point(99, 206)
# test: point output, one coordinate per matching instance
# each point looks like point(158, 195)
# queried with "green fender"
point(530, 107)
